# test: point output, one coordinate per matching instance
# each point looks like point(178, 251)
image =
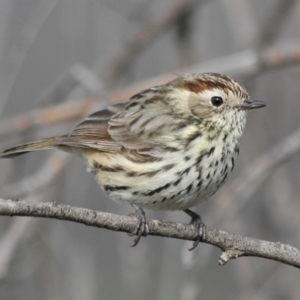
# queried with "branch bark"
point(232, 245)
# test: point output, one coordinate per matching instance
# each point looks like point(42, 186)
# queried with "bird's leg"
point(199, 226)
point(142, 228)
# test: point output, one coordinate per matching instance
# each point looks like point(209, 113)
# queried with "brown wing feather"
point(28, 147)
point(132, 125)
point(145, 121)
point(93, 132)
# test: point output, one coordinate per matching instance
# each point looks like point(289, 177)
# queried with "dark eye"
point(216, 101)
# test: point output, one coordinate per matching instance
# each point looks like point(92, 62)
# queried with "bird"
point(169, 147)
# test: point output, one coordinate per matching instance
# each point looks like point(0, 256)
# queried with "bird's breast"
point(174, 180)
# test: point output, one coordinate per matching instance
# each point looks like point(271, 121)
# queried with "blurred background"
point(61, 60)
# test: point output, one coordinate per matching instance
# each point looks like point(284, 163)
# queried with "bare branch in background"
point(269, 282)
point(232, 245)
point(240, 64)
point(87, 79)
point(277, 58)
point(244, 187)
point(274, 24)
point(146, 33)
point(184, 39)
point(19, 52)
point(242, 36)
point(50, 170)
point(18, 231)
point(47, 116)
point(10, 242)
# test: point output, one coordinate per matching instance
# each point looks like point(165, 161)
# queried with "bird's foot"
point(199, 226)
point(142, 228)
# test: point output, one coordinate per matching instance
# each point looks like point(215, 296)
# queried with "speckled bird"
point(169, 147)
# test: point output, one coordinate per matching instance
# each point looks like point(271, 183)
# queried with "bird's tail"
point(28, 147)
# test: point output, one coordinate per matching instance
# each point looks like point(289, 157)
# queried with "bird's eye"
point(216, 101)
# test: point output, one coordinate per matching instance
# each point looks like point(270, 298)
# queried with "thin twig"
point(232, 245)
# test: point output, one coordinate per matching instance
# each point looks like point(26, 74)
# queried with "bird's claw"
point(142, 228)
point(200, 228)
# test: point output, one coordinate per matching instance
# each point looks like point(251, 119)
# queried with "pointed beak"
point(251, 104)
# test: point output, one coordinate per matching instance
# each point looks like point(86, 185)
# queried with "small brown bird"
point(169, 147)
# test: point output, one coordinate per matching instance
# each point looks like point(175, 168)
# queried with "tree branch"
point(232, 245)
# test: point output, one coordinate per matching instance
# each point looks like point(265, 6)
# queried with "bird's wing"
point(145, 123)
point(133, 125)
point(92, 133)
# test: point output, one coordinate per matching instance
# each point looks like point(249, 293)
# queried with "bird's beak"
point(251, 104)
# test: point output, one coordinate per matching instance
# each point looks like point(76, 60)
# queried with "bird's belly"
point(169, 184)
